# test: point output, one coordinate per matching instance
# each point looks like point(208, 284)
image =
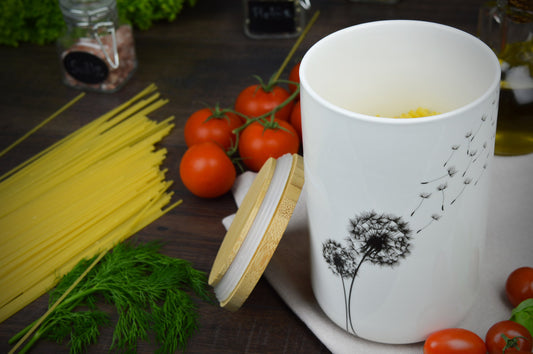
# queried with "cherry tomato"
point(254, 101)
point(509, 335)
point(296, 118)
point(294, 76)
point(258, 143)
point(519, 285)
point(211, 125)
point(454, 341)
point(206, 170)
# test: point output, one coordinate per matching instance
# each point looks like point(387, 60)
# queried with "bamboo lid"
point(256, 230)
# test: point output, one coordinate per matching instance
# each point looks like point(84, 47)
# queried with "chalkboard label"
point(86, 67)
point(272, 18)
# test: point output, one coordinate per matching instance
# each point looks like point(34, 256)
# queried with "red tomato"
point(258, 143)
point(296, 118)
point(454, 341)
point(294, 76)
point(254, 101)
point(211, 125)
point(509, 335)
point(519, 285)
point(206, 170)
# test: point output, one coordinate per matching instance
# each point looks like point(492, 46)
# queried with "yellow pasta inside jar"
point(418, 113)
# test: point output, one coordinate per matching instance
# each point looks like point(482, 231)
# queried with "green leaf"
point(523, 314)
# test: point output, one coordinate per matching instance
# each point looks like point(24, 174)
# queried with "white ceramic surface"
point(397, 207)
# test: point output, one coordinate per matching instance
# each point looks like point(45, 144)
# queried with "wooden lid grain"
point(249, 211)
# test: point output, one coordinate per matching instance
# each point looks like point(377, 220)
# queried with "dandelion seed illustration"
point(483, 148)
point(481, 174)
point(466, 182)
point(483, 119)
point(471, 154)
point(342, 262)
point(381, 239)
point(467, 137)
point(423, 196)
point(451, 171)
point(441, 188)
point(434, 217)
point(454, 149)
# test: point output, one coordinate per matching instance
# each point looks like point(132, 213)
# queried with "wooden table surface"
point(202, 57)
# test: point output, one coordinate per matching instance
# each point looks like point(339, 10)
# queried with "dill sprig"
point(149, 290)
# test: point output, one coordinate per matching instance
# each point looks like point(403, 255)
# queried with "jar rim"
point(87, 10)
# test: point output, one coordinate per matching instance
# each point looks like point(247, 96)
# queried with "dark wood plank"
point(202, 57)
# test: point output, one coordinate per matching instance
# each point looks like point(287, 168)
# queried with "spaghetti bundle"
point(79, 197)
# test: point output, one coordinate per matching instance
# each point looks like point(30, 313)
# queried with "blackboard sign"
point(271, 19)
point(86, 67)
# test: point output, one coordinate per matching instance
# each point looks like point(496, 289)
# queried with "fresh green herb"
point(34, 21)
point(142, 13)
point(41, 21)
point(148, 290)
point(523, 314)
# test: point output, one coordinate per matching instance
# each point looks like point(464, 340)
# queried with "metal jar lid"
point(86, 12)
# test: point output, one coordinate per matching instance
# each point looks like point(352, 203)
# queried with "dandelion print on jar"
point(397, 220)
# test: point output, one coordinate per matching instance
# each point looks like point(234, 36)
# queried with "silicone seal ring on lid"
point(256, 230)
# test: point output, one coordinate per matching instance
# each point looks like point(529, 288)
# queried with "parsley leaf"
point(41, 21)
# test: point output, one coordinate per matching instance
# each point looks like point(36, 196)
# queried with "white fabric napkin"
point(509, 245)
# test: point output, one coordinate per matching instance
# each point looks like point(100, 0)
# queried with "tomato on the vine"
point(259, 142)
point(508, 337)
point(519, 285)
point(211, 125)
point(255, 101)
point(206, 170)
point(454, 341)
point(294, 76)
point(296, 118)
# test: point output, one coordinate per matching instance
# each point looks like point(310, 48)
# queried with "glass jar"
point(507, 27)
point(274, 18)
point(96, 50)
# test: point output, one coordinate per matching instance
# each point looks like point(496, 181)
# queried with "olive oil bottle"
point(514, 133)
point(507, 27)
